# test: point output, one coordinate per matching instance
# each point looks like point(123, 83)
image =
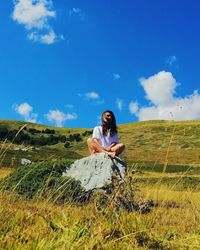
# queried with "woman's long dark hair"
point(112, 125)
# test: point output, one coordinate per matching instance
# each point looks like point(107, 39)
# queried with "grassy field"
point(153, 144)
point(164, 166)
point(174, 222)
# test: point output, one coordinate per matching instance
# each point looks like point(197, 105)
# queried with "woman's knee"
point(122, 146)
point(91, 141)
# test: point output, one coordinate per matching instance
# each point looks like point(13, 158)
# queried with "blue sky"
point(63, 62)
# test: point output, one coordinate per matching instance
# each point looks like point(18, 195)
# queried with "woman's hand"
point(110, 146)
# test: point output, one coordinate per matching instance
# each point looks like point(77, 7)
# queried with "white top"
point(105, 140)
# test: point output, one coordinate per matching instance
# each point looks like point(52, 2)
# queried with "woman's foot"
point(111, 154)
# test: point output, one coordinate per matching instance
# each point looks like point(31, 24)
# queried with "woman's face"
point(107, 117)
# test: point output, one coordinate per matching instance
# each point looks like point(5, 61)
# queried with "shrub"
point(48, 131)
point(62, 138)
point(53, 139)
point(45, 180)
point(87, 133)
point(33, 131)
point(11, 134)
point(21, 137)
point(74, 137)
point(3, 132)
point(41, 141)
point(67, 144)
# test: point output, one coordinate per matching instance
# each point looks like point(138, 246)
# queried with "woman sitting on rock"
point(105, 138)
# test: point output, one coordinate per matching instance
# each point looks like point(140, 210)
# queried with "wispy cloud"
point(92, 95)
point(49, 38)
point(133, 107)
point(116, 76)
point(59, 117)
point(35, 16)
point(119, 103)
point(77, 12)
point(69, 106)
point(171, 61)
point(160, 91)
point(25, 110)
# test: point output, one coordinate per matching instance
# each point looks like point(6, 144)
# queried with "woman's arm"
point(110, 146)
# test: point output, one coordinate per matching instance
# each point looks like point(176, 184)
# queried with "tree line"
point(32, 136)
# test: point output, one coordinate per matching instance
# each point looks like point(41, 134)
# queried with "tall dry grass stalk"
point(168, 149)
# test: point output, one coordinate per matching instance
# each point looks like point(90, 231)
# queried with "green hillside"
point(175, 144)
point(45, 222)
point(150, 144)
point(38, 142)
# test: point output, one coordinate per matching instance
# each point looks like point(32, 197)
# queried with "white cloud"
point(48, 38)
point(78, 12)
point(35, 15)
point(133, 107)
point(116, 76)
point(160, 90)
point(119, 103)
point(92, 95)
point(171, 61)
point(25, 110)
point(59, 117)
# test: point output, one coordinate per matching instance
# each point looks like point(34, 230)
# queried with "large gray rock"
point(96, 170)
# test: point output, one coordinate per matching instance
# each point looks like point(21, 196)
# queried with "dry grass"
point(5, 172)
point(173, 224)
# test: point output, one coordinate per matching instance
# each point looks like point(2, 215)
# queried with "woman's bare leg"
point(118, 148)
point(95, 146)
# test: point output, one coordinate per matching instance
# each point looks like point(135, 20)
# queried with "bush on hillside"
point(40, 141)
point(74, 137)
point(3, 132)
point(53, 139)
point(18, 136)
point(48, 131)
point(44, 140)
point(62, 138)
point(45, 180)
point(34, 136)
point(12, 134)
point(33, 131)
point(67, 144)
point(87, 133)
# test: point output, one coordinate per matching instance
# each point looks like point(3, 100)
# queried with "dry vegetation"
point(174, 222)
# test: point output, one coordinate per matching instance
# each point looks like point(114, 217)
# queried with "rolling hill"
point(151, 147)
point(150, 144)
